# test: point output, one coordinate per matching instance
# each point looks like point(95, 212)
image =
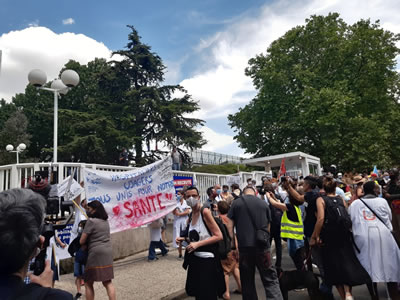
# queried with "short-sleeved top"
point(98, 232)
point(311, 210)
point(181, 207)
point(245, 231)
point(11, 285)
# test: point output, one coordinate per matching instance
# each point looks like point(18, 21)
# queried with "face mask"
point(192, 202)
point(218, 191)
point(80, 230)
point(274, 185)
point(225, 191)
point(178, 197)
point(386, 177)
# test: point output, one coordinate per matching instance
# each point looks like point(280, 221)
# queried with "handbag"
point(376, 215)
point(262, 234)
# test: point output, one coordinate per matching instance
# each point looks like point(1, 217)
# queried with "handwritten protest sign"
point(69, 186)
point(135, 197)
point(231, 179)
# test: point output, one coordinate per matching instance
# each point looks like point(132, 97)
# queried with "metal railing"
point(18, 175)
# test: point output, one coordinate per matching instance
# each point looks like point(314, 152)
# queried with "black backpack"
point(337, 219)
point(224, 245)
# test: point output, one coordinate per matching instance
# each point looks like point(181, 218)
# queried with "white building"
point(296, 163)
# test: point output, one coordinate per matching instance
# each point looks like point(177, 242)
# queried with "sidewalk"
point(136, 278)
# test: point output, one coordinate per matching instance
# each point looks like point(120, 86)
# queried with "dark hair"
point(369, 188)
point(320, 182)
point(268, 187)
point(210, 191)
point(249, 188)
point(235, 186)
point(225, 186)
point(21, 220)
point(99, 211)
point(82, 223)
point(223, 207)
point(192, 187)
point(310, 181)
point(329, 185)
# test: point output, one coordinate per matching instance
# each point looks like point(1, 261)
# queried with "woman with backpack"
point(205, 279)
point(379, 253)
point(333, 234)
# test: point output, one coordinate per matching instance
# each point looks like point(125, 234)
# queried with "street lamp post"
point(69, 79)
point(21, 147)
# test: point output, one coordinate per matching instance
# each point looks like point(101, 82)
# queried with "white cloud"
point(34, 23)
point(68, 21)
point(221, 82)
point(41, 48)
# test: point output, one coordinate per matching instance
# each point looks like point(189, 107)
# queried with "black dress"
point(340, 263)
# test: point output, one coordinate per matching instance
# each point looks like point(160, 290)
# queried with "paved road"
point(359, 293)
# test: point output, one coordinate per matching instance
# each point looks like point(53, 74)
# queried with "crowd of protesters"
point(347, 226)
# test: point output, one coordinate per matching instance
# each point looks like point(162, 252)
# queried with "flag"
point(375, 170)
point(282, 170)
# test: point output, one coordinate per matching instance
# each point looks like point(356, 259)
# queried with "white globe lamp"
point(37, 78)
point(9, 147)
point(70, 78)
point(59, 86)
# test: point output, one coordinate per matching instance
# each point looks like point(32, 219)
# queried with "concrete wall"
point(124, 243)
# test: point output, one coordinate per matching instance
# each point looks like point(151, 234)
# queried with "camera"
point(53, 219)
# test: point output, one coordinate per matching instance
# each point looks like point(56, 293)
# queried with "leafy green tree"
point(329, 89)
point(144, 109)
point(14, 132)
point(117, 104)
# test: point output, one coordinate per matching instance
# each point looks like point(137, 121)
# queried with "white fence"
point(17, 175)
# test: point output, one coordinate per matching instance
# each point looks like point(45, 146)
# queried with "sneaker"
point(77, 296)
point(154, 259)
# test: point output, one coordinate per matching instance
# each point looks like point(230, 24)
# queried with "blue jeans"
point(293, 246)
point(152, 249)
point(176, 166)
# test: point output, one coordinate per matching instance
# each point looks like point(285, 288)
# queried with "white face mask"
point(80, 230)
point(192, 202)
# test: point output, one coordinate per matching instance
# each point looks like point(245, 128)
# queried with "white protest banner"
point(74, 188)
point(231, 179)
point(133, 198)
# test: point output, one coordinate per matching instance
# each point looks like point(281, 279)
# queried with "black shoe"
point(77, 296)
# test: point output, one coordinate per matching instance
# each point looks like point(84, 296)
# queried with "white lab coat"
point(179, 222)
point(379, 253)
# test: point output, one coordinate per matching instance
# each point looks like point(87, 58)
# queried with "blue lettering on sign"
point(166, 185)
point(124, 196)
point(103, 199)
point(145, 191)
point(127, 176)
point(145, 180)
point(65, 234)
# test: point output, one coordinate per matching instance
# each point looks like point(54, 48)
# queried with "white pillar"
point(55, 145)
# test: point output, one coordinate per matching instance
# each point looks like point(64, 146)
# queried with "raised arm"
point(315, 238)
point(275, 203)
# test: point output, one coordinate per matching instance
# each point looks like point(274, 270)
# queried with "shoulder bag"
point(262, 234)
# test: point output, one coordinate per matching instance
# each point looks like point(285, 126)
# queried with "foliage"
point(329, 89)
point(224, 169)
point(117, 104)
point(14, 132)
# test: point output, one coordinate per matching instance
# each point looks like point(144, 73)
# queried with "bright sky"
point(205, 44)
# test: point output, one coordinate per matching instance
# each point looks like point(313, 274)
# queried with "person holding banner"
point(180, 219)
point(205, 278)
point(96, 236)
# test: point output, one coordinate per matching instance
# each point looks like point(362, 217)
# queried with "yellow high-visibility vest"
point(292, 230)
